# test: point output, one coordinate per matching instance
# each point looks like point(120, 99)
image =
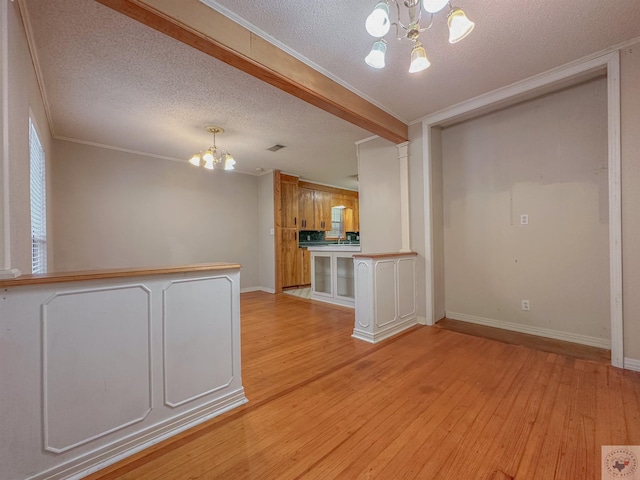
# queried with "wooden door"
point(306, 209)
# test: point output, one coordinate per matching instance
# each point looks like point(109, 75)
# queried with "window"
point(337, 223)
point(38, 202)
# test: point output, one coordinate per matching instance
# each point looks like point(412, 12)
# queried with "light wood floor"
point(427, 404)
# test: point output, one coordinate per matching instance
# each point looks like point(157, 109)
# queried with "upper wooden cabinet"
point(323, 210)
point(351, 211)
point(314, 208)
point(351, 220)
point(289, 192)
point(306, 209)
point(356, 216)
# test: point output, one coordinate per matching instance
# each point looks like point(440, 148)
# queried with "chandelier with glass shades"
point(378, 25)
point(213, 157)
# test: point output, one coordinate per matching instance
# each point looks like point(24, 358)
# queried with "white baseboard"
point(257, 289)
point(632, 364)
point(421, 320)
point(103, 457)
point(531, 330)
point(386, 333)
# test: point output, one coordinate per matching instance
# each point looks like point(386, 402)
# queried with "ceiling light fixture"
point(212, 157)
point(378, 25)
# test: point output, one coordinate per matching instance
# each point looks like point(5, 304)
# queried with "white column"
point(403, 156)
point(5, 225)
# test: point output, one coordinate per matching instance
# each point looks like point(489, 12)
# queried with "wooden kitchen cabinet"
point(314, 208)
point(305, 258)
point(291, 267)
point(322, 210)
point(289, 193)
point(306, 209)
point(301, 205)
point(352, 217)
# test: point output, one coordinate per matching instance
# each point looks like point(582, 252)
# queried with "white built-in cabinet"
point(332, 274)
point(385, 295)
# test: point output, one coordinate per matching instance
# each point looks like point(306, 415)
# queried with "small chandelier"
point(212, 157)
point(378, 25)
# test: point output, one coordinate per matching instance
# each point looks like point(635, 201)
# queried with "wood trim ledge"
point(59, 277)
point(385, 255)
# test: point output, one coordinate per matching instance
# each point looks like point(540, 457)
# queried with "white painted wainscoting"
point(95, 370)
point(385, 295)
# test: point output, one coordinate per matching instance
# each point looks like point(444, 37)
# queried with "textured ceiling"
point(512, 40)
point(112, 81)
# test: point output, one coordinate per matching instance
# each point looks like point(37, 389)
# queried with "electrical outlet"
point(524, 219)
point(525, 305)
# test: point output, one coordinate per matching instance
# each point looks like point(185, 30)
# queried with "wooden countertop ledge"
point(383, 255)
point(80, 276)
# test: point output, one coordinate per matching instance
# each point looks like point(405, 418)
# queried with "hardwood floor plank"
point(401, 423)
point(428, 404)
point(631, 402)
point(471, 457)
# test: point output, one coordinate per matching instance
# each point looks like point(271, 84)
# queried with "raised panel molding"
point(197, 313)
point(96, 363)
point(363, 295)
point(386, 293)
point(406, 287)
point(386, 298)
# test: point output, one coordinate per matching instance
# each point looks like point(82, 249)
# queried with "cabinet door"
point(306, 267)
point(321, 273)
point(356, 215)
point(323, 210)
point(349, 220)
point(344, 276)
point(306, 209)
point(290, 269)
point(350, 212)
point(289, 199)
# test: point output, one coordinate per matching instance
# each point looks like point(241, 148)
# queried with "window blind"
point(38, 202)
point(337, 221)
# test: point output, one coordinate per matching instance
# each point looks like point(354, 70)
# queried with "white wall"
point(630, 151)
point(24, 94)
point(437, 224)
point(546, 158)
point(116, 209)
point(266, 212)
point(417, 215)
point(379, 194)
